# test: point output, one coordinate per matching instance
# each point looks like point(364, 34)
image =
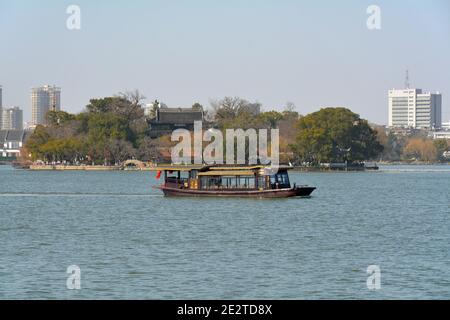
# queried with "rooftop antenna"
point(407, 79)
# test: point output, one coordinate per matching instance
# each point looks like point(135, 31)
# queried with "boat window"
point(283, 179)
point(194, 174)
point(262, 182)
point(280, 180)
point(247, 182)
point(184, 175)
point(231, 182)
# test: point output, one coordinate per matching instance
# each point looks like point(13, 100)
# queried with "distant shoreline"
point(41, 167)
point(83, 168)
point(399, 163)
point(72, 168)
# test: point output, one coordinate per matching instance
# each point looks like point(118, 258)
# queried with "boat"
point(371, 166)
point(21, 164)
point(229, 181)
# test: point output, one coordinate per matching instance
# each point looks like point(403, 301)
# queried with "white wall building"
point(412, 108)
point(441, 135)
point(445, 125)
point(44, 99)
point(11, 141)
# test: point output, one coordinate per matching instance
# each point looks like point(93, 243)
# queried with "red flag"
point(158, 175)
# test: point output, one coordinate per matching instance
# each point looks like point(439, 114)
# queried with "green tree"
point(59, 118)
point(197, 106)
point(335, 134)
point(108, 132)
point(154, 109)
point(103, 105)
point(271, 119)
point(35, 142)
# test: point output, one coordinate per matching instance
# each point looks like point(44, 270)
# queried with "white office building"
point(44, 99)
point(12, 119)
point(412, 108)
point(445, 125)
point(1, 106)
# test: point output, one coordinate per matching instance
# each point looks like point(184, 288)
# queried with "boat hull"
point(303, 191)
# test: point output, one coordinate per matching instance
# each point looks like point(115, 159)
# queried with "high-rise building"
point(412, 108)
point(1, 106)
point(44, 99)
point(12, 119)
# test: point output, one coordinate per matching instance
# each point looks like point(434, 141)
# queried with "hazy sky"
point(313, 53)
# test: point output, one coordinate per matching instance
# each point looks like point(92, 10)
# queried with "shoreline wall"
point(73, 168)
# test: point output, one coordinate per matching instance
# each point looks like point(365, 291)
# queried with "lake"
point(130, 242)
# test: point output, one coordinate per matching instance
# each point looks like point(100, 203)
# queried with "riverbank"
point(73, 168)
point(41, 167)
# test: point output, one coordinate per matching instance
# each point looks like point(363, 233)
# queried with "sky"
point(313, 53)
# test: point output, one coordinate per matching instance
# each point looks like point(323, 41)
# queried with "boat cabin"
point(234, 178)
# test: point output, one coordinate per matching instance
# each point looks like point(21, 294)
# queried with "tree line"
point(416, 146)
point(111, 130)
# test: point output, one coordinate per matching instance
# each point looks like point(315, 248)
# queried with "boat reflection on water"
point(229, 181)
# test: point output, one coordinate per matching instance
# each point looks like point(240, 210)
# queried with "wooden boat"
point(227, 181)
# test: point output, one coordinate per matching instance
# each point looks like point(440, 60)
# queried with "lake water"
point(132, 243)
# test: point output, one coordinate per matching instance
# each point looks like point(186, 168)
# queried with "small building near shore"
point(445, 125)
point(169, 119)
point(11, 141)
point(441, 135)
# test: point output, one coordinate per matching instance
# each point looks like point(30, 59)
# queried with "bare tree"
point(290, 107)
point(120, 150)
point(228, 107)
point(130, 105)
point(148, 150)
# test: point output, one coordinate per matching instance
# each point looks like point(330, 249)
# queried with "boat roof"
point(227, 173)
point(230, 168)
point(177, 168)
point(219, 169)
